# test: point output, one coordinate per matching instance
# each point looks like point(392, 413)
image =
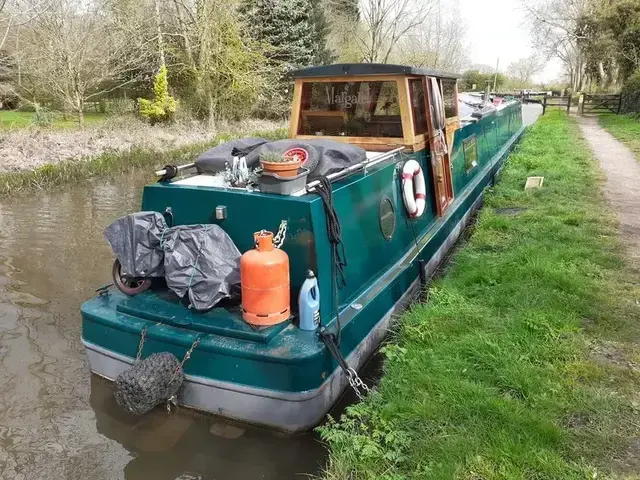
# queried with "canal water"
point(59, 422)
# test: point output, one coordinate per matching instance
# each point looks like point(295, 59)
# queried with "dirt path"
point(622, 187)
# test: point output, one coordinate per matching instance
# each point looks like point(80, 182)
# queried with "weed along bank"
point(256, 281)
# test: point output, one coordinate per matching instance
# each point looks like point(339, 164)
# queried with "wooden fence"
point(600, 103)
point(556, 102)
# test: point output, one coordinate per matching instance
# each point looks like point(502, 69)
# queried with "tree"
point(163, 106)
point(474, 77)
point(438, 42)
point(75, 51)
point(386, 22)
point(344, 25)
point(522, 71)
point(219, 69)
point(294, 31)
point(610, 41)
point(555, 28)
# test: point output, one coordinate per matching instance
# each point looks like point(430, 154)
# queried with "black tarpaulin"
point(136, 241)
point(201, 261)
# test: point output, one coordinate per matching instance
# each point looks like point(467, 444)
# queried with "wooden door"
point(440, 162)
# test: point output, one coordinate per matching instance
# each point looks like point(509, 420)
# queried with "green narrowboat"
point(430, 154)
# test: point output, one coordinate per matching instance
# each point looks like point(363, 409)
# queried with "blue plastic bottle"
point(309, 303)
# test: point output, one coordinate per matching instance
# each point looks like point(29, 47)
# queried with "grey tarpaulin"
point(136, 241)
point(215, 159)
point(201, 261)
point(325, 156)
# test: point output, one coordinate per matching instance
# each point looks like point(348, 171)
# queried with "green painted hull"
point(289, 374)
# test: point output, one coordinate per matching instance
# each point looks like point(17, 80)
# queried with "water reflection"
point(59, 422)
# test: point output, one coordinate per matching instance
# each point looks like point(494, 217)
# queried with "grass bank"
point(625, 128)
point(13, 119)
point(517, 366)
point(110, 163)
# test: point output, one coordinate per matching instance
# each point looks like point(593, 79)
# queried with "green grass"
point(493, 377)
point(11, 119)
point(625, 128)
point(70, 171)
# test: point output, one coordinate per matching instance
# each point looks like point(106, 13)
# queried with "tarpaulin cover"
point(325, 156)
point(214, 159)
point(136, 241)
point(201, 261)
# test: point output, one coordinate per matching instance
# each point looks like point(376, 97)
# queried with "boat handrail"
point(355, 167)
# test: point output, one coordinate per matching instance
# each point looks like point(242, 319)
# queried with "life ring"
point(414, 191)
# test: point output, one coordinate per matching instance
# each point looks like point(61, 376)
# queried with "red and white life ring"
point(414, 191)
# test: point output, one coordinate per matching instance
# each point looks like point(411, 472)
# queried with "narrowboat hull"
point(282, 377)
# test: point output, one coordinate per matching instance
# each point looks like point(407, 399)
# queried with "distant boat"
point(408, 168)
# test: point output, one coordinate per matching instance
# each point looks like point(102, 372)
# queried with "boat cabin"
point(376, 106)
point(380, 107)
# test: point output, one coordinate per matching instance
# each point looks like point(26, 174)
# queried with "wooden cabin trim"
point(452, 125)
point(294, 123)
point(406, 114)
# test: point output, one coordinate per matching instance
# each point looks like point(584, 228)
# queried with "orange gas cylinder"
point(264, 277)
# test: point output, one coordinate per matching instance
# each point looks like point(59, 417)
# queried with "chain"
point(173, 400)
point(359, 387)
point(143, 336)
point(278, 240)
point(187, 355)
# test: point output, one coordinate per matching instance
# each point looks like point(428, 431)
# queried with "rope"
point(334, 230)
point(170, 172)
point(338, 257)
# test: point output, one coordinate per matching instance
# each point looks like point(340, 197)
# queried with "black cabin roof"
point(340, 69)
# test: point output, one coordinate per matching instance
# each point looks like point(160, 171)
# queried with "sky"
point(497, 29)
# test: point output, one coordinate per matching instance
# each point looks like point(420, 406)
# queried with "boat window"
point(353, 109)
point(418, 110)
point(470, 148)
point(449, 96)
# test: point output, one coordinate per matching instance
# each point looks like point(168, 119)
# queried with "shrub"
point(163, 106)
point(631, 94)
point(42, 117)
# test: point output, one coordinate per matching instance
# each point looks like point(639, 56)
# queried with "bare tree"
point(438, 42)
point(523, 70)
point(385, 22)
point(555, 30)
point(75, 52)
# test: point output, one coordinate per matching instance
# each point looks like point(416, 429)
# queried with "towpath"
point(622, 186)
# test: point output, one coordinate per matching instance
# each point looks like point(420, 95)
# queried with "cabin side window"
point(418, 111)
point(352, 109)
point(470, 153)
point(449, 96)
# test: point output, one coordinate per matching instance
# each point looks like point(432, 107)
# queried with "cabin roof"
point(344, 69)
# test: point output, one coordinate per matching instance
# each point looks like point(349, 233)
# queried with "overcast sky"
point(497, 28)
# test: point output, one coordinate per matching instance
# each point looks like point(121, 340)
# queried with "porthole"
point(387, 216)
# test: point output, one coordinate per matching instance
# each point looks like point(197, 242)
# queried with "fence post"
point(544, 104)
point(568, 104)
point(581, 101)
point(619, 104)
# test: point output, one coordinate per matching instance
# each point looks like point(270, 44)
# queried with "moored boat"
point(391, 170)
